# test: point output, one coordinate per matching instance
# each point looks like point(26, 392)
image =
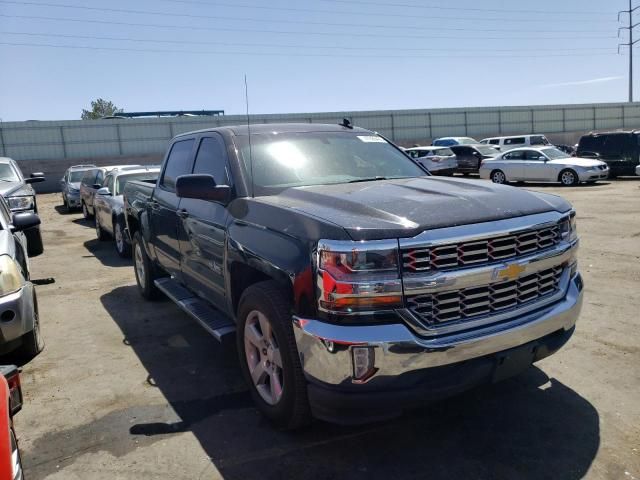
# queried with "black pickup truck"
point(358, 284)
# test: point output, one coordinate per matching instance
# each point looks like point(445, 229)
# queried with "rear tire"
point(498, 176)
point(146, 272)
point(568, 178)
point(277, 385)
point(122, 246)
point(32, 342)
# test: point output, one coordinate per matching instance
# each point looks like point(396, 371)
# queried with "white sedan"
point(545, 164)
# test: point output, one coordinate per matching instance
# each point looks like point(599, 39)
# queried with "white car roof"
point(429, 148)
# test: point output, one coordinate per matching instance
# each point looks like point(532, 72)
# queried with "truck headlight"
point(358, 277)
point(568, 230)
point(21, 203)
point(11, 279)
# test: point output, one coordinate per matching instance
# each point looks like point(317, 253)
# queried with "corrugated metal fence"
point(49, 140)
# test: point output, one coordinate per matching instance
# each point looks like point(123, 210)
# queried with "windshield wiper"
point(370, 179)
point(6, 180)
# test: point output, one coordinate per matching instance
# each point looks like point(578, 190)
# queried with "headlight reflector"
point(21, 203)
point(568, 229)
point(11, 278)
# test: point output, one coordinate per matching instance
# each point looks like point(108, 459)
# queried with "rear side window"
point(211, 160)
point(494, 141)
point(591, 143)
point(539, 140)
point(443, 152)
point(620, 144)
point(514, 141)
point(178, 163)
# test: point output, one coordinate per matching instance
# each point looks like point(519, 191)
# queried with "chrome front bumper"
point(325, 349)
point(16, 313)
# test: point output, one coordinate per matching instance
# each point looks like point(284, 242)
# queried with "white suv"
point(516, 141)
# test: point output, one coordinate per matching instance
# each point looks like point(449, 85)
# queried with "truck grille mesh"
point(467, 303)
point(478, 252)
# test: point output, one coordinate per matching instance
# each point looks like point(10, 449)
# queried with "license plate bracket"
point(514, 361)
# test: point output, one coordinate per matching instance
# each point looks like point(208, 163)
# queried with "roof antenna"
point(346, 123)
point(246, 99)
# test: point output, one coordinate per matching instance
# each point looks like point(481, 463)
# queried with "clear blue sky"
point(321, 55)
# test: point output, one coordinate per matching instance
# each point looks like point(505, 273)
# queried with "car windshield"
point(487, 150)
point(539, 140)
point(121, 180)
point(321, 158)
point(554, 153)
point(466, 141)
point(76, 175)
point(7, 173)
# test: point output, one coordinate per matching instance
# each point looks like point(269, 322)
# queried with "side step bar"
point(212, 320)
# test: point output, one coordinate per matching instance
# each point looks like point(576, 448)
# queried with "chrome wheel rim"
point(119, 238)
point(567, 178)
point(263, 357)
point(498, 177)
point(140, 273)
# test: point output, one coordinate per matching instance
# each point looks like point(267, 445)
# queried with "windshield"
point(121, 180)
point(539, 140)
point(7, 173)
point(554, 153)
point(321, 158)
point(76, 175)
point(487, 150)
point(467, 141)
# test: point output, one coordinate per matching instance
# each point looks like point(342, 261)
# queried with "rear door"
point(164, 205)
point(203, 226)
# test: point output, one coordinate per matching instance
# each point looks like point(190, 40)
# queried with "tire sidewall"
point(575, 178)
point(126, 247)
point(145, 289)
point(498, 172)
point(254, 299)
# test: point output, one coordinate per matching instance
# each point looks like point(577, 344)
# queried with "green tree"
point(100, 108)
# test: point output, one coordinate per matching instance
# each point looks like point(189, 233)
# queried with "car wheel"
point(100, 233)
point(85, 212)
point(269, 356)
point(568, 178)
point(32, 342)
point(122, 246)
point(146, 272)
point(498, 176)
point(16, 459)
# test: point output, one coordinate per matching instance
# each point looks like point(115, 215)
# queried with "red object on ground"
point(6, 468)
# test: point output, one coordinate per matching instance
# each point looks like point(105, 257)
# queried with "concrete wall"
point(51, 146)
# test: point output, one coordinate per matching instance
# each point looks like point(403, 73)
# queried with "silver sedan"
point(545, 164)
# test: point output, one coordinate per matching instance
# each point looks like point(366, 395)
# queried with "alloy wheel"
point(568, 178)
point(263, 357)
point(498, 177)
point(119, 237)
point(139, 264)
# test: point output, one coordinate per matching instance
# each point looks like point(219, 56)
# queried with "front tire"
point(568, 178)
point(122, 246)
point(498, 176)
point(269, 356)
point(85, 212)
point(146, 272)
point(100, 233)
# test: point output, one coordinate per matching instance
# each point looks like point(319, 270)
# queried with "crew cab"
point(357, 285)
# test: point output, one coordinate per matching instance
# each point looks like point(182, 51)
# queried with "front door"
point(203, 224)
point(535, 167)
point(513, 164)
point(164, 205)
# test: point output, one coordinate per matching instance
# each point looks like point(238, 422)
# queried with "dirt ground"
point(128, 389)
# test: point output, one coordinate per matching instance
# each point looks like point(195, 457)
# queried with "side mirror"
point(103, 191)
point(97, 186)
point(24, 221)
point(202, 187)
point(35, 177)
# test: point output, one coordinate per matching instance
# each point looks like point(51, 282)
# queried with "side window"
point(99, 177)
point(89, 177)
point(534, 156)
point(177, 164)
point(211, 160)
point(494, 141)
point(519, 155)
point(514, 141)
point(108, 182)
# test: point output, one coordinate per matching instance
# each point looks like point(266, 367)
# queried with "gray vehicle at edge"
point(70, 185)
point(359, 285)
point(20, 324)
point(108, 205)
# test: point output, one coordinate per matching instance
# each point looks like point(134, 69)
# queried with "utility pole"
point(630, 44)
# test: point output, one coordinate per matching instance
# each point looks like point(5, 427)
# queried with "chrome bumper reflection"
point(325, 349)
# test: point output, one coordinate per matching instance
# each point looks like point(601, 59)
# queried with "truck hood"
point(406, 207)
point(7, 188)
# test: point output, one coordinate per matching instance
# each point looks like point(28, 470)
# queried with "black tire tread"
point(148, 291)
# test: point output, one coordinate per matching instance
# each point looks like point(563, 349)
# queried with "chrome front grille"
point(479, 252)
point(469, 303)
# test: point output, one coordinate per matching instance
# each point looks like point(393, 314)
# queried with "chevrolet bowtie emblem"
point(511, 272)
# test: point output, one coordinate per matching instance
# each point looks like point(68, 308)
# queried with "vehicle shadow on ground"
point(531, 426)
point(62, 210)
point(105, 251)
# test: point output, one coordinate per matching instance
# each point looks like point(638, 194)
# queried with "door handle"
point(182, 213)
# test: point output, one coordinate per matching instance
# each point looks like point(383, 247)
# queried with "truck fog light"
point(364, 359)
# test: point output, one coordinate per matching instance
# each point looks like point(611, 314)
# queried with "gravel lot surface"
point(128, 389)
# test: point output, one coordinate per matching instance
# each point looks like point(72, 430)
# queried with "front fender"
point(281, 257)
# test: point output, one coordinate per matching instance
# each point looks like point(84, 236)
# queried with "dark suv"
point(620, 150)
